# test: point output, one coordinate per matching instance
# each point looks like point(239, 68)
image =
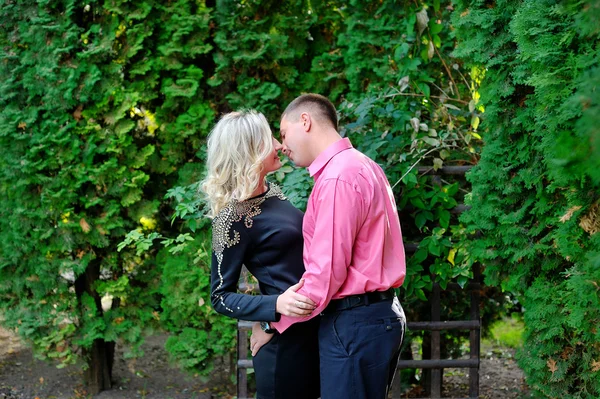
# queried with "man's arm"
point(338, 214)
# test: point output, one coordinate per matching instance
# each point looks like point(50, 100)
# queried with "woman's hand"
point(258, 338)
point(293, 304)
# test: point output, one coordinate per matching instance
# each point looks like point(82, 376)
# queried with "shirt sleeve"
point(330, 252)
point(230, 246)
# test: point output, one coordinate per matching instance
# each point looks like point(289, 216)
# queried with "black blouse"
point(264, 233)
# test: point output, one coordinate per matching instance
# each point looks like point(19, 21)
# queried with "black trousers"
point(288, 366)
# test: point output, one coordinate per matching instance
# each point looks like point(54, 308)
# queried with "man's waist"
point(353, 301)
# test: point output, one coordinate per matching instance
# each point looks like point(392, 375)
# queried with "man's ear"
point(306, 121)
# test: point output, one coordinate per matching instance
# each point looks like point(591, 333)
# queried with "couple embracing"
point(329, 323)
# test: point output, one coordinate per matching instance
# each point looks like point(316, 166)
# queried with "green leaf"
point(418, 203)
point(444, 218)
point(434, 248)
point(420, 255)
point(401, 51)
point(431, 141)
point(410, 179)
point(420, 220)
point(422, 86)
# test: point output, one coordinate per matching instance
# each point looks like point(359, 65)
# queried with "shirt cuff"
point(282, 325)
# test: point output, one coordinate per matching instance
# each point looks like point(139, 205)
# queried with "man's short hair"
point(319, 106)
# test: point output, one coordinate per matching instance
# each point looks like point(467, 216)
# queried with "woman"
point(256, 226)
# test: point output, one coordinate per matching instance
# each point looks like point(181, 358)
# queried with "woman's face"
point(272, 163)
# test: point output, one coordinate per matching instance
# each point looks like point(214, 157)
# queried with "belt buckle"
point(359, 300)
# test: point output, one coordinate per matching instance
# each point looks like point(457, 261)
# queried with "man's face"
point(294, 139)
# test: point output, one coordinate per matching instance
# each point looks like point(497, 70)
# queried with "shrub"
point(535, 190)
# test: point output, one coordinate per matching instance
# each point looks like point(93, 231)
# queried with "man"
point(353, 254)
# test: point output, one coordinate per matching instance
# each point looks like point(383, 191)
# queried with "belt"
point(355, 301)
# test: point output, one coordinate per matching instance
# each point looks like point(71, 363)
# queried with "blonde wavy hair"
point(236, 149)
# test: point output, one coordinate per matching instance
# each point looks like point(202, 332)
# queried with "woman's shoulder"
point(225, 228)
point(236, 211)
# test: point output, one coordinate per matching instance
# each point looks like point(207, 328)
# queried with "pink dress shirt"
point(352, 238)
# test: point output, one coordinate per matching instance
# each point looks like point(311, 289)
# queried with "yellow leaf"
point(148, 223)
point(477, 136)
point(451, 254)
point(150, 120)
point(120, 30)
point(133, 111)
point(22, 125)
point(596, 365)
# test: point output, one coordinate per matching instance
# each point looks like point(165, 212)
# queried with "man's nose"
point(278, 145)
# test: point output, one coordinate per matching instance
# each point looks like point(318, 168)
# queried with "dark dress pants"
point(359, 350)
point(287, 367)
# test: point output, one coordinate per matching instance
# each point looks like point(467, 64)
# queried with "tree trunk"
point(98, 376)
point(100, 356)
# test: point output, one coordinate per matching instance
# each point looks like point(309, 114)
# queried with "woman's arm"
point(230, 244)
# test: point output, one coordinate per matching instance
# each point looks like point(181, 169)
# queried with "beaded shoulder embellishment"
point(224, 236)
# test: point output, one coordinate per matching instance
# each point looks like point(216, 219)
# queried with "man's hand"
point(295, 305)
point(258, 338)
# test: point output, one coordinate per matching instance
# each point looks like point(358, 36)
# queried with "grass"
point(508, 332)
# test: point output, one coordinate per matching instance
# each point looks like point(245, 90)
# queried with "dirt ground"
point(23, 377)
point(499, 377)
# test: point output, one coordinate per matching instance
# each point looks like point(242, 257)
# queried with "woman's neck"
point(262, 187)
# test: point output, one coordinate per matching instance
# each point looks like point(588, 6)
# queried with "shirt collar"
point(319, 163)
